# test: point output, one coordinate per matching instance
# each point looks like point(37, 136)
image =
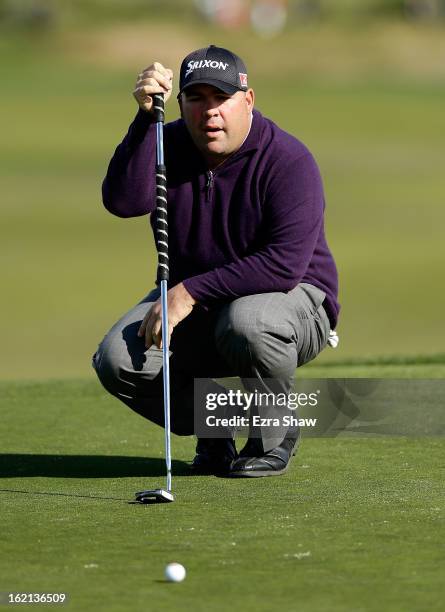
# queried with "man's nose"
point(211, 108)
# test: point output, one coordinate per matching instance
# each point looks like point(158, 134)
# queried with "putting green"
point(353, 525)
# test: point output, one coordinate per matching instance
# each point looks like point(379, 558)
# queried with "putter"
point(162, 495)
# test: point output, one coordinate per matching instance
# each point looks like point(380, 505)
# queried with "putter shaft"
point(166, 381)
point(160, 495)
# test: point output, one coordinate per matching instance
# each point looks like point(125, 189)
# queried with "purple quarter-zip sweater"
point(253, 225)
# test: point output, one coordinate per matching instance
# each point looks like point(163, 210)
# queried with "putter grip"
point(161, 191)
point(158, 107)
point(161, 222)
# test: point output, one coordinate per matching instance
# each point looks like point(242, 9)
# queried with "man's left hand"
point(179, 303)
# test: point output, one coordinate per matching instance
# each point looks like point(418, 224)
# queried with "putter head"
point(156, 496)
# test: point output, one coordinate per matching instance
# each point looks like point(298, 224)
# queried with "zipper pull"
point(209, 185)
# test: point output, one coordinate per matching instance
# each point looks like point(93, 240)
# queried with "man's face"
point(217, 122)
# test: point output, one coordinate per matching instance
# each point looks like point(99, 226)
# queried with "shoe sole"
point(258, 473)
point(201, 472)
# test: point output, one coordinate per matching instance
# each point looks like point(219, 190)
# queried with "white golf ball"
point(175, 572)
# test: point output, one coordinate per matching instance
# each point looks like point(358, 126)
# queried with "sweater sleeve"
point(293, 218)
point(128, 189)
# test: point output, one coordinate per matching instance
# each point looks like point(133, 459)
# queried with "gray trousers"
point(259, 337)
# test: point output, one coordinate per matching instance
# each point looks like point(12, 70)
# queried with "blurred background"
point(361, 83)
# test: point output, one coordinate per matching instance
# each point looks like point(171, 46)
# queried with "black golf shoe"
point(253, 462)
point(214, 456)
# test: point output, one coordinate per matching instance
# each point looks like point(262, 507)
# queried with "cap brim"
point(225, 87)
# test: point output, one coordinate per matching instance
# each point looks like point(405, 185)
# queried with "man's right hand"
point(152, 80)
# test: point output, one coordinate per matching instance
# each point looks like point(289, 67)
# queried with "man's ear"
point(180, 104)
point(250, 99)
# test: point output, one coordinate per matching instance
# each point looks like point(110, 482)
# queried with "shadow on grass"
point(14, 465)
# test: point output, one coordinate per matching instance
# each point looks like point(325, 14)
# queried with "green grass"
point(390, 367)
point(353, 525)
